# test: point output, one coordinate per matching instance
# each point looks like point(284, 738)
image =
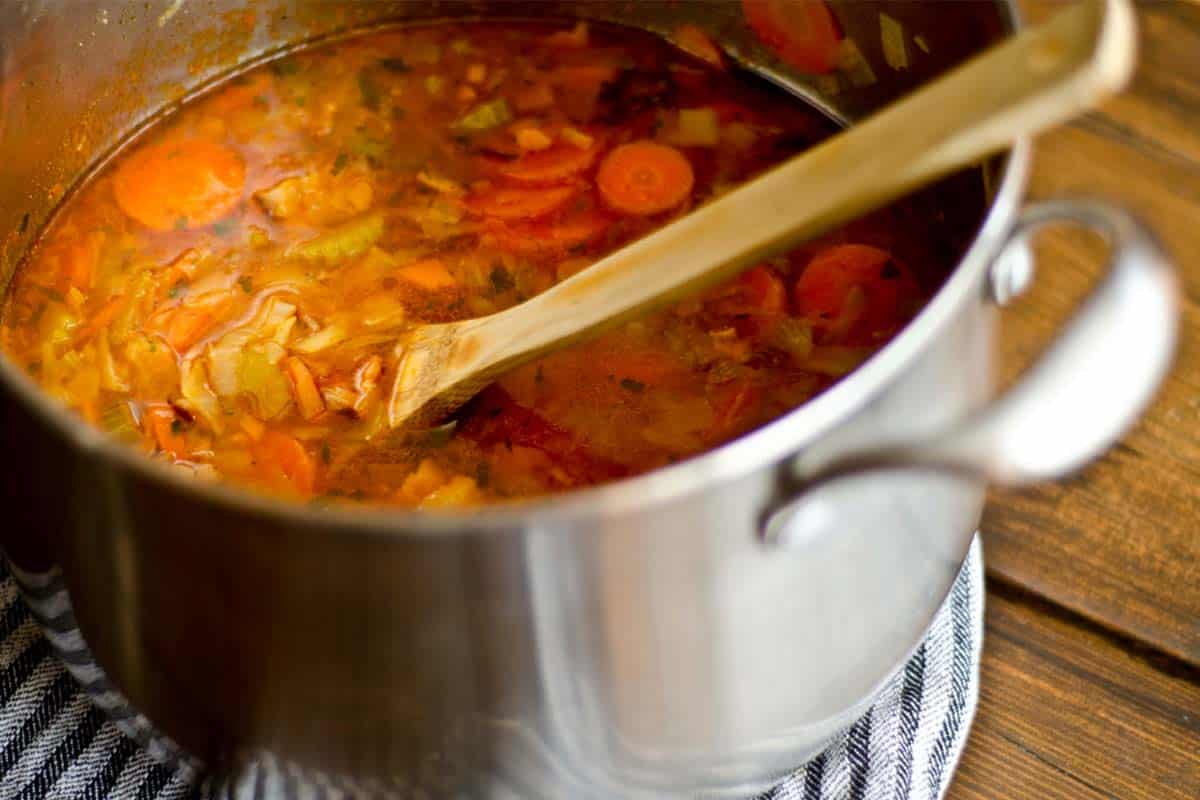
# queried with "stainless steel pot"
point(699, 630)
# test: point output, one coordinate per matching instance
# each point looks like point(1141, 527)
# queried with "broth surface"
point(227, 294)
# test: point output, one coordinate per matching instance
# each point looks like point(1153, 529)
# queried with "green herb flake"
point(339, 163)
point(178, 289)
point(396, 65)
point(326, 454)
point(630, 385)
point(262, 103)
point(501, 280)
point(246, 284)
point(181, 223)
point(176, 426)
point(224, 227)
point(372, 95)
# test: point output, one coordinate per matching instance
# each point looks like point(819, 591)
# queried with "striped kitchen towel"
point(65, 732)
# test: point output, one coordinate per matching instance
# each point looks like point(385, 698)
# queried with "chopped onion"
point(854, 64)
point(323, 339)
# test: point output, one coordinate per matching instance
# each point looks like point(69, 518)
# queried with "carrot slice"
point(823, 288)
point(518, 204)
point(279, 456)
point(644, 177)
point(540, 238)
point(429, 274)
point(176, 183)
point(559, 163)
point(162, 422)
point(187, 326)
point(801, 32)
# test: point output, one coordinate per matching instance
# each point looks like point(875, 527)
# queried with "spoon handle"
point(1037, 79)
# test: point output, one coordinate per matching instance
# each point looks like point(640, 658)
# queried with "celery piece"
point(117, 419)
point(347, 240)
point(484, 116)
point(895, 50)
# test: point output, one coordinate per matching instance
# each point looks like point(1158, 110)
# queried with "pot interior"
point(76, 88)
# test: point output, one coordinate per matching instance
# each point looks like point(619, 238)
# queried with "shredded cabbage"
point(198, 397)
point(225, 355)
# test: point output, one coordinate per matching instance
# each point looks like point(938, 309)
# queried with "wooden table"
point(1091, 666)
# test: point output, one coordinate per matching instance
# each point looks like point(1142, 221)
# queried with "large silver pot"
point(699, 630)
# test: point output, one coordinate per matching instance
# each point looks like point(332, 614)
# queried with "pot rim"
point(770, 444)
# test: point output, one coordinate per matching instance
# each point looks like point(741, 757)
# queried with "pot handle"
point(1084, 391)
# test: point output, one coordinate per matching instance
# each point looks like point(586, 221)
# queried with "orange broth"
point(226, 294)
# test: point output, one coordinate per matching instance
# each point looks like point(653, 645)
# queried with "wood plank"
point(1068, 710)
point(1119, 543)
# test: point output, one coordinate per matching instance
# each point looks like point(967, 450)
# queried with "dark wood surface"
point(1091, 670)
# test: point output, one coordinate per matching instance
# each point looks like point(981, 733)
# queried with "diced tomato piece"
point(889, 289)
point(758, 296)
point(801, 32)
point(763, 290)
point(496, 419)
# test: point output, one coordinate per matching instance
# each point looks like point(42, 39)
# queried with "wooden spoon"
point(1039, 78)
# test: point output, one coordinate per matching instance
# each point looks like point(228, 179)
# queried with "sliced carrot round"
point(644, 177)
point(518, 204)
point(179, 183)
point(562, 162)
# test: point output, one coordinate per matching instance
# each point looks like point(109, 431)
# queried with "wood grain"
point(1068, 710)
point(1120, 543)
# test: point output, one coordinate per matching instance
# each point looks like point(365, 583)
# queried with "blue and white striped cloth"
point(65, 732)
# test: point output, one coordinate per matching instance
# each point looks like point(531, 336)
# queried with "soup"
point(226, 295)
